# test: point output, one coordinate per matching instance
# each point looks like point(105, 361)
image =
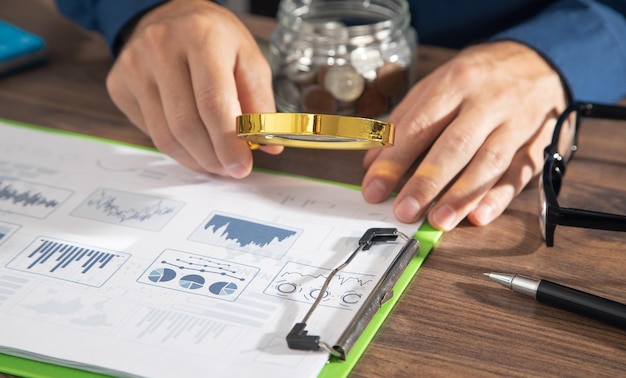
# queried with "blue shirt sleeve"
point(106, 16)
point(585, 41)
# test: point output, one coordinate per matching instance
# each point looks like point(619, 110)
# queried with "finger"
point(495, 201)
point(273, 149)
point(254, 85)
point(126, 79)
point(525, 166)
point(129, 106)
point(156, 124)
point(384, 173)
point(416, 129)
point(216, 97)
point(485, 169)
point(123, 97)
point(371, 156)
point(456, 146)
point(254, 80)
point(185, 129)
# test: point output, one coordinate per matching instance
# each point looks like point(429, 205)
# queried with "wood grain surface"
point(451, 321)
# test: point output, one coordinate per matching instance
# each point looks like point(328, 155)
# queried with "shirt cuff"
point(114, 15)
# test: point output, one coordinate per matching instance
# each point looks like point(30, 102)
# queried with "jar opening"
point(343, 19)
point(348, 57)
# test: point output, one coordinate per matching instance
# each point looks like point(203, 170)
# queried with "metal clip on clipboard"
point(298, 337)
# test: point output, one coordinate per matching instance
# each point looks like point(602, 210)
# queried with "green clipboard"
point(427, 236)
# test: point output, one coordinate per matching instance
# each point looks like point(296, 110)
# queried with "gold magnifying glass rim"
point(325, 131)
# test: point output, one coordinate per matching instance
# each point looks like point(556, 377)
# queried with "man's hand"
point(480, 122)
point(187, 70)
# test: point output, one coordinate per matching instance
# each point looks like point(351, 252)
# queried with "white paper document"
point(116, 259)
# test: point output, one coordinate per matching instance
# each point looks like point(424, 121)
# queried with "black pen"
point(565, 298)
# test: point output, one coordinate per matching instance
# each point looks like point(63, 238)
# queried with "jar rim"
point(322, 18)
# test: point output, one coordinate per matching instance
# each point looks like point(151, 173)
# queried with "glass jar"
point(344, 57)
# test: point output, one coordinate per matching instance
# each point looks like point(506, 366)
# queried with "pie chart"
point(162, 275)
point(223, 288)
point(191, 281)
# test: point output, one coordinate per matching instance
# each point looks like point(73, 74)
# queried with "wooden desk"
point(451, 321)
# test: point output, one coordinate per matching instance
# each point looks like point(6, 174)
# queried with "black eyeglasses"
point(550, 213)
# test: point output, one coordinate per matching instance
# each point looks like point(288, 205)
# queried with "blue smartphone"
point(19, 49)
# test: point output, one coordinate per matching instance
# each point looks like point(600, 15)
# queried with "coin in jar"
point(391, 79)
point(365, 61)
point(344, 82)
point(299, 73)
point(372, 104)
point(315, 99)
point(286, 88)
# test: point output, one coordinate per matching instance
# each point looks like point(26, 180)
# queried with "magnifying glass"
point(324, 131)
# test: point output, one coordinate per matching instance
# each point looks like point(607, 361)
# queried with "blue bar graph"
point(69, 261)
point(67, 254)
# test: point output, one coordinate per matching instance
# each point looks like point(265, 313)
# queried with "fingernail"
point(484, 214)
point(375, 191)
point(407, 210)
point(444, 217)
point(238, 170)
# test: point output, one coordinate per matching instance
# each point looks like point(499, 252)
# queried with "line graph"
point(128, 209)
point(246, 235)
point(68, 261)
point(197, 274)
point(30, 199)
point(302, 283)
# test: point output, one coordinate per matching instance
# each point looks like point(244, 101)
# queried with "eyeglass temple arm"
point(587, 109)
point(603, 111)
point(592, 219)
